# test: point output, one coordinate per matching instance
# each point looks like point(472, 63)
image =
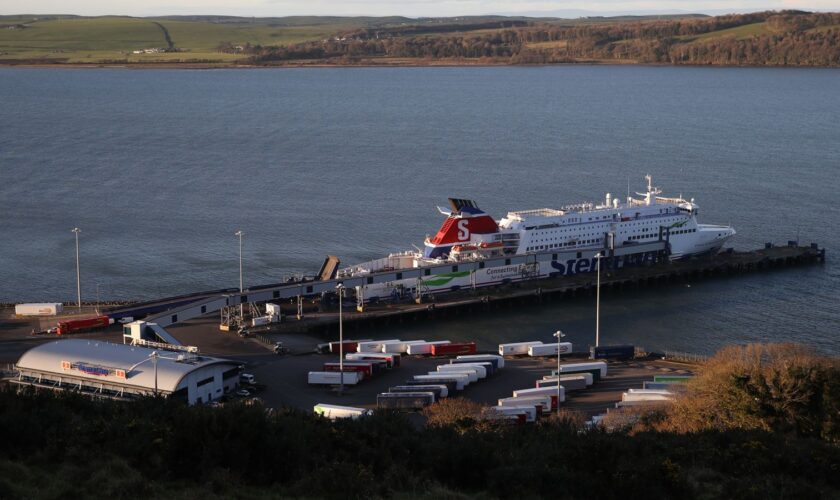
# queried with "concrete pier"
point(550, 289)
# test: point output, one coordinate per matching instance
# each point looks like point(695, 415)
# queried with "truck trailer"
point(404, 400)
point(550, 349)
point(453, 348)
point(334, 412)
point(334, 378)
point(439, 390)
point(517, 348)
point(83, 325)
point(480, 371)
point(500, 361)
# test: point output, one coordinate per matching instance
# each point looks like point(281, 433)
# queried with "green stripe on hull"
point(444, 279)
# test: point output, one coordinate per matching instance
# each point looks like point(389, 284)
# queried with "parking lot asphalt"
point(282, 379)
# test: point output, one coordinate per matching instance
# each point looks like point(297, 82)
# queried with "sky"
point(410, 8)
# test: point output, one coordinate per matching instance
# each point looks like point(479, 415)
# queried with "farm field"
point(105, 39)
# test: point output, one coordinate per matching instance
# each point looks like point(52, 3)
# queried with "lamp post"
point(241, 283)
point(598, 302)
point(154, 357)
point(559, 334)
point(340, 288)
point(76, 231)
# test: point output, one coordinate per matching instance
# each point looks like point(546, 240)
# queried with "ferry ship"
point(471, 249)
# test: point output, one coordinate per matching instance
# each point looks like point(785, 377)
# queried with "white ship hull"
point(471, 250)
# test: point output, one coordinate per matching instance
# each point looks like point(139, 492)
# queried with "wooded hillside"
point(788, 38)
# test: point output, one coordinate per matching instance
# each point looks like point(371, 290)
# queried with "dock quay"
point(545, 290)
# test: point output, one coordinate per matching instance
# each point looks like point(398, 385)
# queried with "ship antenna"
point(628, 187)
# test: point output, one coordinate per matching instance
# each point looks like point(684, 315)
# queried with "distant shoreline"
point(425, 64)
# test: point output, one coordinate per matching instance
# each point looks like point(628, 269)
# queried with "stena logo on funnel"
point(463, 230)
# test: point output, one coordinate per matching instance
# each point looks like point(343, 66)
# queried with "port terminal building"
point(125, 372)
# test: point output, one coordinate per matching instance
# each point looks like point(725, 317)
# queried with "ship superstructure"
point(610, 228)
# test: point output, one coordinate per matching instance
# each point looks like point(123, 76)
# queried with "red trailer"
point(84, 324)
point(365, 368)
point(455, 348)
point(349, 346)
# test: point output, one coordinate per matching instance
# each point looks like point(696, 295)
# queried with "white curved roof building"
point(124, 371)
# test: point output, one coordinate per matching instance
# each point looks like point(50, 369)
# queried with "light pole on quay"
point(241, 283)
point(76, 230)
point(598, 302)
point(340, 288)
point(559, 334)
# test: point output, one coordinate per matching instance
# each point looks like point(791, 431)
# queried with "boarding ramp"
point(146, 331)
point(329, 268)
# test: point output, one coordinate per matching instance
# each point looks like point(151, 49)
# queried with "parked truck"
point(333, 412)
point(334, 378)
point(391, 359)
point(619, 352)
point(439, 390)
point(488, 366)
point(480, 371)
point(598, 369)
point(453, 348)
point(499, 360)
point(569, 382)
point(405, 400)
point(399, 346)
point(423, 348)
point(83, 325)
point(550, 349)
point(39, 309)
point(557, 394)
point(517, 348)
point(373, 345)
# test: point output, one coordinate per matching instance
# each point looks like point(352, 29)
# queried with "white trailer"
point(480, 371)
point(260, 321)
point(424, 347)
point(530, 412)
point(39, 309)
point(273, 311)
point(625, 404)
point(441, 390)
point(392, 359)
point(373, 345)
point(472, 375)
point(399, 347)
point(586, 375)
point(460, 379)
point(558, 392)
point(634, 396)
point(542, 401)
point(569, 382)
point(516, 348)
point(484, 357)
point(333, 412)
point(651, 391)
point(579, 367)
point(550, 349)
point(334, 378)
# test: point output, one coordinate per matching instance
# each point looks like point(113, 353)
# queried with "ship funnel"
point(608, 199)
point(615, 203)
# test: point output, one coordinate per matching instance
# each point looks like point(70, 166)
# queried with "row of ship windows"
point(648, 223)
point(561, 245)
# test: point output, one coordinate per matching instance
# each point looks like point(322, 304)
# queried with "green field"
point(114, 38)
point(739, 32)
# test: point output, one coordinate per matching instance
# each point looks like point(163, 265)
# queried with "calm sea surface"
point(160, 168)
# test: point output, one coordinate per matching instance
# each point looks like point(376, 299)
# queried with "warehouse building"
point(120, 371)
